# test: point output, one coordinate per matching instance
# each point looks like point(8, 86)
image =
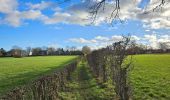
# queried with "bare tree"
point(2, 52)
point(162, 2)
point(36, 51)
point(86, 50)
point(50, 51)
point(164, 45)
point(73, 48)
point(120, 69)
point(16, 52)
point(113, 56)
point(101, 4)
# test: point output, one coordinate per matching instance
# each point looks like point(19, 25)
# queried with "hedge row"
point(109, 63)
point(44, 88)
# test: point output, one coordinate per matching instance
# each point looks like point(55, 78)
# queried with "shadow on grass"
point(25, 78)
point(85, 85)
point(83, 74)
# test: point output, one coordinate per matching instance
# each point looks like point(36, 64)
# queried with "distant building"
point(30, 54)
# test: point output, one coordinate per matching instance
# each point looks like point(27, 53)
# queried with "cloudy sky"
point(38, 23)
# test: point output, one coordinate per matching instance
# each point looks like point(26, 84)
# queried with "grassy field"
point(18, 71)
point(151, 77)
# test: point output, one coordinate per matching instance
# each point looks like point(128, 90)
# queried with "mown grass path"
point(84, 87)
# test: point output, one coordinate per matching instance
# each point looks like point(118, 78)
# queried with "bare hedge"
point(44, 88)
point(108, 63)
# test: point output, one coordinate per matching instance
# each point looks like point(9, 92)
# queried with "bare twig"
point(101, 6)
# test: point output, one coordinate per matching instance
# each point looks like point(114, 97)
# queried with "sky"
point(51, 23)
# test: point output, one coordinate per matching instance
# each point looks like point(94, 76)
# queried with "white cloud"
point(31, 14)
point(136, 38)
point(147, 30)
point(101, 38)
point(9, 9)
point(8, 6)
point(57, 27)
point(40, 6)
point(151, 40)
point(156, 19)
point(164, 38)
point(79, 13)
point(99, 41)
point(13, 19)
point(154, 40)
point(129, 10)
point(82, 40)
point(71, 16)
point(57, 18)
point(53, 45)
point(116, 38)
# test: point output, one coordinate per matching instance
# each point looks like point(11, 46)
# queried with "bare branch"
point(101, 6)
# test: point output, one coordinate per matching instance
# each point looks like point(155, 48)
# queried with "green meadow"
point(150, 77)
point(20, 71)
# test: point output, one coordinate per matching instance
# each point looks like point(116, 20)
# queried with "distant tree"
point(86, 50)
point(16, 52)
point(50, 51)
point(78, 52)
point(44, 48)
point(136, 48)
point(164, 45)
point(68, 50)
point(73, 48)
point(9, 53)
point(36, 51)
point(2, 52)
point(59, 51)
point(1, 55)
point(24, 53)
point(62, 51)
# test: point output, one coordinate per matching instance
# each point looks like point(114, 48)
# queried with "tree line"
point(39, 51)
point(163, 47)
point(46, 51)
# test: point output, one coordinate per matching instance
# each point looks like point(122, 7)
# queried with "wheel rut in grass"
point(84, 87)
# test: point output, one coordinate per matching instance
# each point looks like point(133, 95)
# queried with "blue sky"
point(38, 23)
